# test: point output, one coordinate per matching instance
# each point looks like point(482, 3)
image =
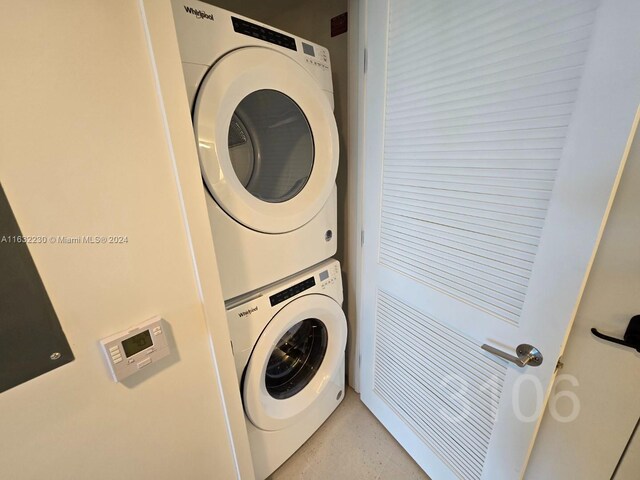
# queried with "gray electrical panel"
point(31, 339)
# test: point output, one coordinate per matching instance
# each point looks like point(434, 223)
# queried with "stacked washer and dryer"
point(262, 109)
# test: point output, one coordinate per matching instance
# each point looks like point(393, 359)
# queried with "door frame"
point(355, 184)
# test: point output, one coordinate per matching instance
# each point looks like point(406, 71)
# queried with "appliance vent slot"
point(478, 102)
point(438, 382)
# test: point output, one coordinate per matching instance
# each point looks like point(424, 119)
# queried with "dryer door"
point(267, 140)
point(294, 360)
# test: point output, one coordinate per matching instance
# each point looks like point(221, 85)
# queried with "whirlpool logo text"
point(198, 13)
point(247, 312)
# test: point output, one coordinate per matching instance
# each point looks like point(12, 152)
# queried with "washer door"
point(267, 140)
point(293, 361)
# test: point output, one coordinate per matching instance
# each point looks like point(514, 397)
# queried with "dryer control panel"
point(316, 56)
point(258, 31)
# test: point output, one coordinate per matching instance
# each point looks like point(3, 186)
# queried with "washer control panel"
point(130, 351)
point(330, 276)
point(326, 279)
point(292, 291)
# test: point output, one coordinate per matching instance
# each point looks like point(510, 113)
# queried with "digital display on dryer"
point(308, 49)
point(280, 297)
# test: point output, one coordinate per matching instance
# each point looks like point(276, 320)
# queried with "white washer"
point(262, 103)
point(289, 342)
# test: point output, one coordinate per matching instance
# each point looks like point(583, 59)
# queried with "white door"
point(495, 133)
point(267, 140)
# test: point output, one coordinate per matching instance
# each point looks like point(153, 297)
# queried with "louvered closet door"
point(495, 133)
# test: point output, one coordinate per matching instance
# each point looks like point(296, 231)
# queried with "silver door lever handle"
point(527, 355)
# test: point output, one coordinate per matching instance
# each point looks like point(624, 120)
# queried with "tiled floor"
point(351, 445)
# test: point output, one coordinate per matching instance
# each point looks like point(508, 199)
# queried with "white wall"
point(609, 391)
point(84, 150)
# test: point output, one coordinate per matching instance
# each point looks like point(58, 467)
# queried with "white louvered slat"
point(502, 222)
point(472, 172)
point(446, 391)
point(472, 197)
point(471, 280)
point(546, 108)
point(512, 24)
point(459, 265)
point(482, 258)
point(558, 118)
point(480, 137)
point(470, 206)
point(513, 188)
point(466, 222)
point(501, 178)
point(492, 243)
point(467, 290)
point(515, 154)
point(410, 104)
point(521, 66)
point(478, 103)
point(458, 258)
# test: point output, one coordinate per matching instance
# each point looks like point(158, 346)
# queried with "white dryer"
point(262, 105)
point(289, 342)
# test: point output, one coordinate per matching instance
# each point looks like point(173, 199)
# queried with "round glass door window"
point(296, 358)
point(271, 146)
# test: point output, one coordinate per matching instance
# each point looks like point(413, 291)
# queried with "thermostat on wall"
point(130, 351)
